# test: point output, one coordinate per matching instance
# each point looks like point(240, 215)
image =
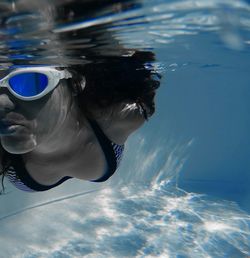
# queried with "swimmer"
point(58, 123)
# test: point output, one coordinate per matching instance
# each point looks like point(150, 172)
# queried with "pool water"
point(183, 186)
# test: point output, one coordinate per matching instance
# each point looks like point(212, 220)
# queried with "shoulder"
point(120, 120)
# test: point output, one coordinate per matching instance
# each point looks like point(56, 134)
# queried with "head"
point(29, 118)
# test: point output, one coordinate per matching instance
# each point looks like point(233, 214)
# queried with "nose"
point(6, 104)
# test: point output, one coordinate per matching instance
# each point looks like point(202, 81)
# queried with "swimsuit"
point(21, 179)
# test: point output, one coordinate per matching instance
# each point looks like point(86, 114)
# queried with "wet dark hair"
point(113, 80)
point(113, 73)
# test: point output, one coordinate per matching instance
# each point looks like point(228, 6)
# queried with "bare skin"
point(55, 138)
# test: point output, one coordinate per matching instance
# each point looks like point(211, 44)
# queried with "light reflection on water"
point(134, 221)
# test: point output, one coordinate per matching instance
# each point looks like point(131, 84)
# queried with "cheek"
point(54, 112)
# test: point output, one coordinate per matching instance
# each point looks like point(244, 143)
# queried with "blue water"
point(156, 221)
point(183, 186)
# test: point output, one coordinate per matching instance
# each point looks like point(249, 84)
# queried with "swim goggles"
point(31, 83)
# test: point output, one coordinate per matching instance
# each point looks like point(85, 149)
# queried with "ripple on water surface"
point(67, 32)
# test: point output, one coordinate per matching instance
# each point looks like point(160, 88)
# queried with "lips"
point(5, 129)
point(12, 122)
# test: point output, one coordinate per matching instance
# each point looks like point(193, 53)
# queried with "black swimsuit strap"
point(108, 151)
point(106, 145)
point(20, 170)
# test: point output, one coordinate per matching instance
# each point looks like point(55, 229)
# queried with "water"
point(145, 222)
point(184, 190)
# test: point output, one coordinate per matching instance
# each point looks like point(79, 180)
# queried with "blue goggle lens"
point(28, 84)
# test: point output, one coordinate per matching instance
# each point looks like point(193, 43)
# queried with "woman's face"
point(24, 125)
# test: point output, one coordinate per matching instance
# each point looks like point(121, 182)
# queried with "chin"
point(19, 145)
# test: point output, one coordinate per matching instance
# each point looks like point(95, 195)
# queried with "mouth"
point(8, 129)
point(13, 123)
